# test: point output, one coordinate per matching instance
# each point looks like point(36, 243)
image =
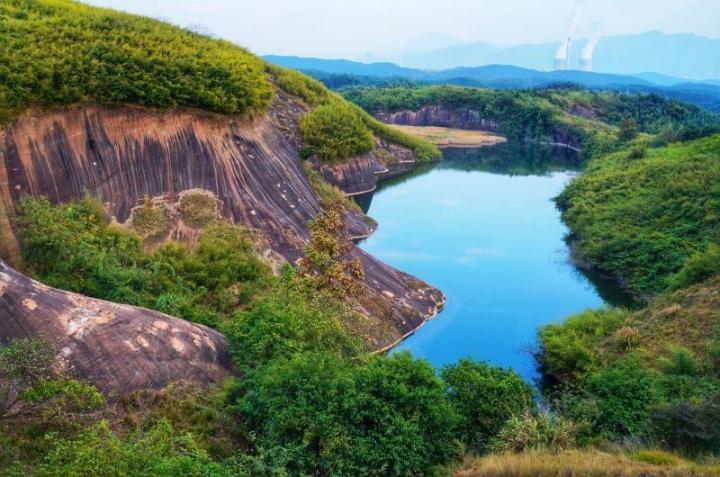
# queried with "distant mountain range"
point(343, 73)
point(678, 55)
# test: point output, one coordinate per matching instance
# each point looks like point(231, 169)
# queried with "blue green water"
point(481, 227)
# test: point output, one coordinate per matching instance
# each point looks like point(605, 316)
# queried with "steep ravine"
point(124, 154)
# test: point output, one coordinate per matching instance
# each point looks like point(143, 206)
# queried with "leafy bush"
point(158, 452)
point(541, 431)
point(485, 397)
point(690, 426)
point(572, 348)
point(32, 391)
point(292, 319)
point(698, 267)
point(625, 394)
point(317, 414)
point(336, 132)
point(59, 52)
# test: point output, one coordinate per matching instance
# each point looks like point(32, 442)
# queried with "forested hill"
point(598, 122)
point(340, 74)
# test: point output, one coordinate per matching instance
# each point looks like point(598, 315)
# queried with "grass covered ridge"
point(651, 217)
point(60, 52)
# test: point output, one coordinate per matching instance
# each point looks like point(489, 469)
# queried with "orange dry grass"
point(576, 463)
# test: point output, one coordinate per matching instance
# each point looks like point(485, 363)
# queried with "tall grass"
point(577, 463)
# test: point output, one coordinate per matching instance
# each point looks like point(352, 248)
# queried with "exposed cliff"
point(118, 348)
point(251, 166)
point(439, 115)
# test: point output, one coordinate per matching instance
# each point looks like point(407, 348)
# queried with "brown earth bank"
point(251, 165)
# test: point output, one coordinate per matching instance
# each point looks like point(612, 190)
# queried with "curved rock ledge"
point(118, 348)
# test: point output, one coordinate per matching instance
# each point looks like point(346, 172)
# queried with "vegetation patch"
point(313, 93)
point(335, 132)
point(586, 463)
point(60, 52)
point(329, 194)
point(149, 221)
point(452, 137)
point(198, 209)
point(70, 246)
point(651, 222)
point(652, 374)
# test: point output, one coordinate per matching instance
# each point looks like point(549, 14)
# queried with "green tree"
point(484, 397)
point(316, 414)
point(327, 261)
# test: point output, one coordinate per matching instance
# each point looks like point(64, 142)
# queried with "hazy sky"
point(349, 28)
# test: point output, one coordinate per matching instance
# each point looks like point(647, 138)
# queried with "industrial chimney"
point(562, 57)
point(586, 59)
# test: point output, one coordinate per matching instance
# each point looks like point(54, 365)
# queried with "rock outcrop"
point(118, 348)
point(360, 175)
point(251, 166)
point(469, 119)
point(443, 116)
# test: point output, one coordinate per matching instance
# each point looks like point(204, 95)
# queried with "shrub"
point(542, 431)
point(625, 394)
point(288, 321)
point(32, 391)
point(572, 348)
point(698, 267)
point(149, 221)
point(317, 414)
point(336, 132)
point(681, 362)
point(689, 426)
point(485, 397)
point(159, 452)
point(198, 209)
point(71, 247)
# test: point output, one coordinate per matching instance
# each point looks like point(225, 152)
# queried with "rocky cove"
point(251, 166)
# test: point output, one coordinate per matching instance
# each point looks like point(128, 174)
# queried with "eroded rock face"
point(458, 118)
point(118, 348)
point(361, 175)
point(251, 166)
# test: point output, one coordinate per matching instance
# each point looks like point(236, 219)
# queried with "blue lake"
point(482, 227)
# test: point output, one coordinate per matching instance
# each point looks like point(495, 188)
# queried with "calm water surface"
point(481, 226)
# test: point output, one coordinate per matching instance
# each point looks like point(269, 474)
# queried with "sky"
point(352, 28)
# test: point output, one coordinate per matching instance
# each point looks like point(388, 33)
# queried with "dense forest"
point(625, 390)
